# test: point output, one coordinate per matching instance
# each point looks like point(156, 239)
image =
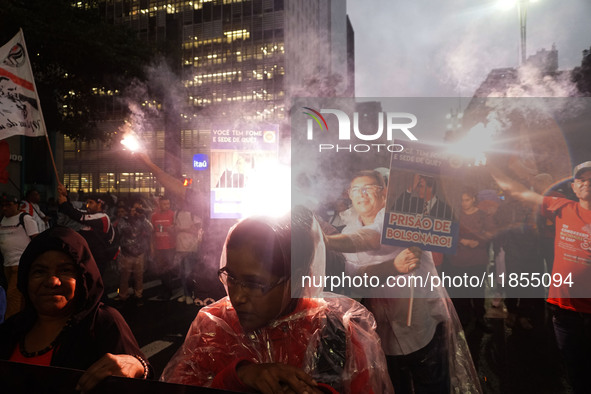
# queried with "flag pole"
point(39, 105)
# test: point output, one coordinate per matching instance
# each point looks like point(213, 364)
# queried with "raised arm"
point(359, 241)
point(515, 188)
point(170, 183)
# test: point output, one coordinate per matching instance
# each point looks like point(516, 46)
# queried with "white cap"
point(583, 166)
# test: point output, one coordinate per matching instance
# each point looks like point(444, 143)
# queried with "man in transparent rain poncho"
point(421, 335)
point(264, 338)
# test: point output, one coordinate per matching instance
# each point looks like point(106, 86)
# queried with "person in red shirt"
point(163, 241)
point(571, 274)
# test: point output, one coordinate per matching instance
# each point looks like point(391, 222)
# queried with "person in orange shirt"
point(571, 300)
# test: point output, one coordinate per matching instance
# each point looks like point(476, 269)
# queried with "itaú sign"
point(200, 162)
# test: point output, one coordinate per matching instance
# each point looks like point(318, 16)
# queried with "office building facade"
point(228, 61)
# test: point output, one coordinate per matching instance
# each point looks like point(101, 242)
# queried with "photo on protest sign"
point(238, 155)
point(421, 204)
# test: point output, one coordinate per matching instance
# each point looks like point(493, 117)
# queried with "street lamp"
point(522, 15)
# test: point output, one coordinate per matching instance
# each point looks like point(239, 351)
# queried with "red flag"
point(4, 160)
point(20, 112)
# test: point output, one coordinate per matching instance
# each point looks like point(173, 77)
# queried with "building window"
point(107, 182)
point(72, 182)
point(77, 182)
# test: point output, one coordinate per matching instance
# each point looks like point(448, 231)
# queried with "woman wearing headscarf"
point(264, 337)
point(64, 324)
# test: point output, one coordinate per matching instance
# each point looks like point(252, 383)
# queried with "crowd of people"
point(123, 235)
point(269, 334)
point(509, 231)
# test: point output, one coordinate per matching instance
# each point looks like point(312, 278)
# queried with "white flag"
point(20, 112)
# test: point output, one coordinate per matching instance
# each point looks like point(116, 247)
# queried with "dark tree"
point(80, 62)
point(582, 75)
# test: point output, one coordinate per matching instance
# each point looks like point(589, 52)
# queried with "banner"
point(421, 203)
point(239, 157)
point(20, 113)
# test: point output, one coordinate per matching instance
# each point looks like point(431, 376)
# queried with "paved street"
point(515, 360)
point(159, 326)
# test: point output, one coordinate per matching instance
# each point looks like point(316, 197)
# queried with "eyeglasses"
point(356, 191)
point(255, 288)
